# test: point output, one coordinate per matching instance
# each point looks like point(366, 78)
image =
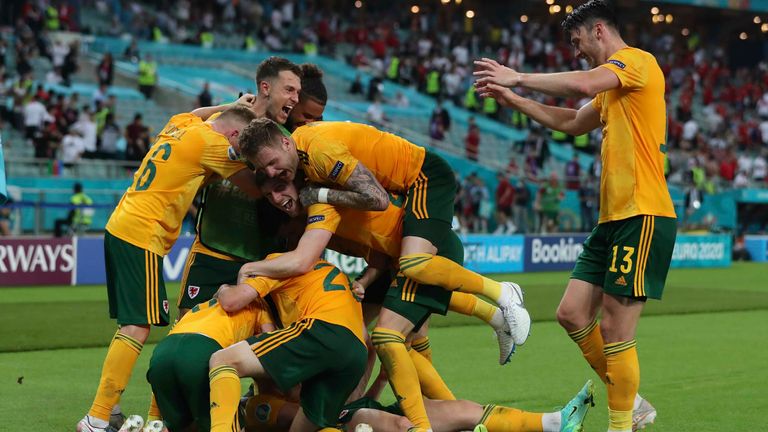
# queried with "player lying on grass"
point(178, 370)
point(144, 227)
point(322, 347)
point(363, 164)
point(268, 412)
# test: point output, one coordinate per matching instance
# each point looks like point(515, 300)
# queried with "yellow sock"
point(622, 380)
point(502, 419)
point(430, 269)
point(421, 345)
point(154, 411)
point(403, 378)
point(591, 343)
point(115, 373)
point(432, 384)
point(225, 395)
point(471, 305)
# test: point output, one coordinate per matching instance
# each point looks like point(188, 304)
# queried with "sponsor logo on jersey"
point(617, 63)
point(315, 218)
point(336, 170)
point(193, 291)
point(621, 281)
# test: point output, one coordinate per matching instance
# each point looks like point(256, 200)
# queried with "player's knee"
point(568, 318)
point(139, 333)
point(221, 357)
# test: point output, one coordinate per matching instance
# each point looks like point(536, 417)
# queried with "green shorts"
point(327, 359)
point(377, 290)
point(203, 275)
point(367, 403)
point(630, 257)
point(178, 374)
point(416, 302)
point(135, 285)
point(429, 201)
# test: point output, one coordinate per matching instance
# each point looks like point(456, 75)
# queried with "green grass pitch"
point(702, 352)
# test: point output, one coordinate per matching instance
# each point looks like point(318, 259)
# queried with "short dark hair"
point(312, 83)
point(588, 13)
point(77, 187)
point(272, 66)
point(261, 132)
point(238, 113)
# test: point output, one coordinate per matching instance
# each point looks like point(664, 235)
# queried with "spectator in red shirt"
point(728, 166)
point(505, 200)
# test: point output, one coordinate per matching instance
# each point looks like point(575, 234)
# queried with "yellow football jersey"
point(211, 320)
point(186, 153)
point(323, 293)
point(634, 139)
point(381, 231)
point(330, 151)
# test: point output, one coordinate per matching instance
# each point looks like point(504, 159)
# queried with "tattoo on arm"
point(362, 192)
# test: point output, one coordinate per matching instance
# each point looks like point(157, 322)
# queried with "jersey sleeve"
point(332, 161)
point(263, 285)
point(218, 156)
point(631, 68)
point(597, 103)
point(323, 216)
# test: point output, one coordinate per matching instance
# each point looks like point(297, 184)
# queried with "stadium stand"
point(420, 69)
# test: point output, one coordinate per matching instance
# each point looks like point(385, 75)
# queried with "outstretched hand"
point(489, 71)
point(503, 95)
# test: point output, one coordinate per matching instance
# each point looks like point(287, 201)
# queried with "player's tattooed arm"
point(362, 191)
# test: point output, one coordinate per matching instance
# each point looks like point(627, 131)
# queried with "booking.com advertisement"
point(80, 261)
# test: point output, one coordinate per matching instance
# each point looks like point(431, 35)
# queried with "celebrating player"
point(267, 412)
point(626, 257)
point(379, 232)
point(233, 228)
point(145, 225)
point(178, 370)
point(365, 163)
point(321, 348)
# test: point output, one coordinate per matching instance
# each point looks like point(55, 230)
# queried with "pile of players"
point(258, 301)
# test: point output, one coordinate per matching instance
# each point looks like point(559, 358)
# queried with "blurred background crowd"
point(68, 104)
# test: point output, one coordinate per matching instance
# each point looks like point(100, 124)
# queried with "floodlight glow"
point(470, 14)
point(654, 10)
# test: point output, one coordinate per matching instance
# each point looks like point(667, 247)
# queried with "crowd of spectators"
point(718, 114)
point(62, 127)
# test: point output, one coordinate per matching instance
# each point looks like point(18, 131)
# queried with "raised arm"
point(561, 84)
point(296, 262)
point(205, 112)
point(362, 191)
point(571, 121)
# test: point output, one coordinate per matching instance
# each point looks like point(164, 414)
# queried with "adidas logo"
point(621, 281)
